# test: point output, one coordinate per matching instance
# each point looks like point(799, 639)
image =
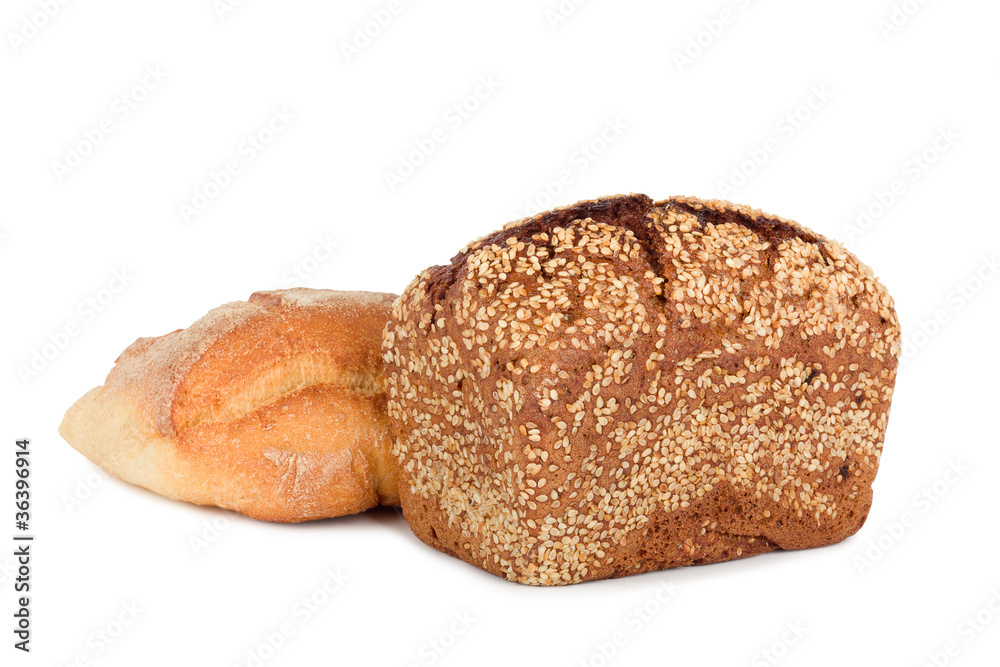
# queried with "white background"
point(881, 95)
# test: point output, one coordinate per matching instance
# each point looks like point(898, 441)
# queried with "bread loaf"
point(273, 407)
point(625, 385)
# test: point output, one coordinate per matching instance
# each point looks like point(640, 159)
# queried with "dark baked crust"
point(621, 386)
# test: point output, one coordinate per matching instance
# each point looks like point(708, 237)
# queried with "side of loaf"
point(625, 385)
point(274, 408)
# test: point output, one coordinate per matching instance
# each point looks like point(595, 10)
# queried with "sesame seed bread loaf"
point(625, 385)
point(273, 407)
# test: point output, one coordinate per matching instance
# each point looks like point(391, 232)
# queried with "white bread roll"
point(274, 408)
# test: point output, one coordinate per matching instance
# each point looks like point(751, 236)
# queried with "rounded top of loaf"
point(243, 354)
point(703, 263)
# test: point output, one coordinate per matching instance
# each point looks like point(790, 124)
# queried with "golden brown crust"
point(273, 407)
point(625, 385)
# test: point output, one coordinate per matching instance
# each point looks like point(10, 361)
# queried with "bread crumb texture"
point(625, 385)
